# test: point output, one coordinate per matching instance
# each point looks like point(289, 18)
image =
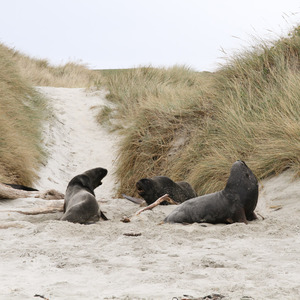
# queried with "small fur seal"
point(235, 203)
point(80, 204)
point(153, 188)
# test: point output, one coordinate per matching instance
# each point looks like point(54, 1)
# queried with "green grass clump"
point(21, 112)
point(193, 126)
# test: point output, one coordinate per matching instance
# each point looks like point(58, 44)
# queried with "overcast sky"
point(107, 34)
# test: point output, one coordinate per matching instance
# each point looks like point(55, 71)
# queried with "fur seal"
point(235, 203)
point(80, 204)
point(153, 188)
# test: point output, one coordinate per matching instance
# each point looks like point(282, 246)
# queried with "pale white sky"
point(114, 34)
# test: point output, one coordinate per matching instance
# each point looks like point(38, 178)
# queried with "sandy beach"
point(44, 257)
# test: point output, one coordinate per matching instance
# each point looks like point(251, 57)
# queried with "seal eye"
point(247, 175)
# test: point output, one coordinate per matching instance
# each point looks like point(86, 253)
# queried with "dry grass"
point(192, 126)
point(161, 108)
point(21, 111)
point(175, 122)
point(257, 114)
point(39, 72)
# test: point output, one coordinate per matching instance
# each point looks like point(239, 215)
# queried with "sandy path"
point(60, 260)
point(74, 140)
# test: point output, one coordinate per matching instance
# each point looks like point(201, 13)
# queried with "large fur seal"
point(80, 204)
point(153, 188)
point(235, 203)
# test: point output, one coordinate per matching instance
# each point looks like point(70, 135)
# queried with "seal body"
point(80, 204)
point(235, 203)
point(153, 188)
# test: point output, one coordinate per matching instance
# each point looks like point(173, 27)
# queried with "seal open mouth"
point(141, 192)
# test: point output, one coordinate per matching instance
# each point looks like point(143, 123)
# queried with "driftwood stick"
point(37, 211)
point(157, 202)
point(58, 206)
point(7, 192)
point(11, 225)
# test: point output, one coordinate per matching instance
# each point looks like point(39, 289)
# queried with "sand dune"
point(43, 256)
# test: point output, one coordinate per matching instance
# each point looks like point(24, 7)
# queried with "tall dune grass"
point(22, 109)
point(21, 112)
point(257, 113)
point(160, 109)
point(192, 126)
point(39, 72)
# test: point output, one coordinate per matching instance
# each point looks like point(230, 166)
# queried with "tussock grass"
point(21, 112)
point(160, 108)
point(257, 113)
point(39, 72)
point(193, 126)
point(22, 109)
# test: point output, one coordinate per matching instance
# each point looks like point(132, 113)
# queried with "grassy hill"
point(174, 121)
point(39, 72)
point(22, 109)
point(20, 122)
point(193, 126)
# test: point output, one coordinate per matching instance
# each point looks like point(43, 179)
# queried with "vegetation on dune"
point(39, 72)
point(160, 108)
point(193, 126)
point(256, 115)
point(176, 122)
point(22, 109)
point(21, 112)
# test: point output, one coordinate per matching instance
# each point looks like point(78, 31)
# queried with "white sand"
point(74, 139)
point(60, 260)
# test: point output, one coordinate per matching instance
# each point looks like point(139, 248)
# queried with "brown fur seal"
point(235, 203)
point(80, 203)
point(153, 188)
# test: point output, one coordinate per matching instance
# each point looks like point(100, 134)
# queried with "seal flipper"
point(251, 216)
point(240, 215)
point(103, 216)
point(133, 199)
